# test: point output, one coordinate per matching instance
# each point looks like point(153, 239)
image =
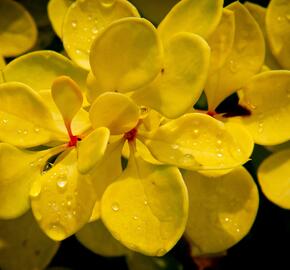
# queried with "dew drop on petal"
point(175, 146)
point(35, 189)
point(61, 183)
point(78, 51)
point(135, 217)
point(95, 30)
point(146, 202)
point(74, 24)
point(37, 215)
point(115, 207)
point(219, 155)
point(19, 131)
point(56, 231)
point(36, 130)
point(233, 66)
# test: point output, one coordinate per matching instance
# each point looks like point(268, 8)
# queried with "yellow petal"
point(221, 41)
point(23, 245)
point(18, 32)
point(199, 142)
point(85, 19)
point(273, 176)
point(221, 210)
point(18, 169)
point(93, 92)
point(135, 54)
point(105, 173)
point(115, 111)
point(98, 239)
point(153, 10)
point(278, 30)
point(80, 122)
point(143, 152)
point(278, 147)
point(67, 97)
point(194, 16)
point(39, 69)
point(179, 85)
point(57, 10)
point(267, 95)
point(2, 62)
point(62, 200)
point(259, 14)
point(24, 119)
point(92, 149)
point(146, 209)
point(245, 59)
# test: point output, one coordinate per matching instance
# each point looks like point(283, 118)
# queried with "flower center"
point(131, 135)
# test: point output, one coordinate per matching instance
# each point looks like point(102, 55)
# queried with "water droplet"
point(4, 121)
point(260, 126)
point(138, 228)
point(37, 215)
point(78, 51)
point(36, 129)
point(219, 155)
point(196, 132)
point(188, 158)
point(61, 183)
point(89, 17)
point(160, 252)
point(74, 213)
point(252, 106)
point(237, 230)
point(219, 142)
point(74, 24)
point(288, 93)
point(31, 164)
point(25, 132)
point(279, 19)
point(288, 17)
point(35, 189)
point(56, 231)
point(227, 219)
point(233, 66)
point(146, 202)
point(69, 203)
point(107, 3)
point(115, 207)
point(95, 30)
point(175, 146)
point(19, 131)
point(135, 217)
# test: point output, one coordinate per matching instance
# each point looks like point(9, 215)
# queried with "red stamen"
point(131, 135)
point(211, 113)
point(73, 141)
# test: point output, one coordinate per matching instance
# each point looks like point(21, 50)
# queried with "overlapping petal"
point(267, 95)
point(115, 111)
point(24, 245)
point(39, 69)
point(85, 19)
point(199, 142)
point(98, 239)
point(259, 13)
point(245, 59)
point(146, 209)
point(273, 176)
point(24, 118)
point(92, 148)
point(57, 10)
point(62, 199)
point(278, 30)
point(18, 32)
point(221, 209)
point(183, 76)
point(135, 54)
point(19, 168)
point(194, 16)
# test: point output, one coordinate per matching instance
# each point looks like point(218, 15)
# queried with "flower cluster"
point(126, 92)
